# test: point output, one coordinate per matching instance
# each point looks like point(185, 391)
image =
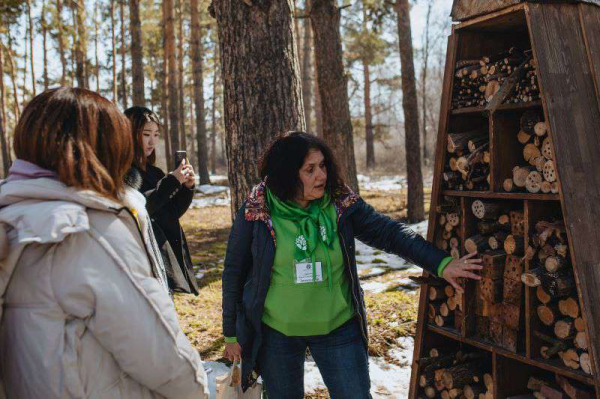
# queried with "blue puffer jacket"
point(251, 252)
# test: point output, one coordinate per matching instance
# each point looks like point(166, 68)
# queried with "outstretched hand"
point(462, 267)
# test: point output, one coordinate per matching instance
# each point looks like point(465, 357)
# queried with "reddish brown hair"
point(80, 135)
point(139, 116)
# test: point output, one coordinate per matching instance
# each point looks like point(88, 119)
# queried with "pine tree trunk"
point(44, 44)
point(369, 136)
point(6, 161)
point(96, 58)
point(113, 35)
point(123, 56)
point(333, 86)
point(137, 54)
point(256, 41)
point(424, 82)
point(80, 47)
point(13, 78)
point(198, 65)
point(173, 94)
point(213, 133)
point(61, 42)
point(416, 211)
point(318, 107)
point(164, 82)
point(30, 20)
point(307, 84)
point(181, 92)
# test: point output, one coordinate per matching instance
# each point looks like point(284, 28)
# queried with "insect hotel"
point(517, 180)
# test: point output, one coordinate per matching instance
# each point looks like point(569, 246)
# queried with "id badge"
point(304, 272)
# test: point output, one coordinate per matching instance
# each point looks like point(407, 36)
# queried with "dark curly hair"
point(281, 163)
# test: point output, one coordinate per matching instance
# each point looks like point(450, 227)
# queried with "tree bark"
point(318, 107)
point(198, 65)
point(30, 21)
point(172, 78)
point(307, 73)
point(180, 84)
point(114, 52)
point(333, 86)
point(416, 211)
point(164, 102)
point(213, 133)
point(369, 136)
point(6, 161)
point(13, 78)
point(61, 43)
point(137, 54)
point(424, 105)
point(80, 46)
point(123, 56)
point(96, 59)
point(262, 88)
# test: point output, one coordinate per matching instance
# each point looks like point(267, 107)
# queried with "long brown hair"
point(139, 116)
point(80, 135)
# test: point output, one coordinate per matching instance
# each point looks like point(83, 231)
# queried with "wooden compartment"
point(510, 145)
point(466, 164)
point(564, 37)
point(513, 378)
point(447, 370)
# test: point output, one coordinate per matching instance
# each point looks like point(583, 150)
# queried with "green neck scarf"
point(315, 227)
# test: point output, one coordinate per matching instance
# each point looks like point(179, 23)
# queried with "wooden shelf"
point(503, 107)
point(507, 196)
point(554, 366)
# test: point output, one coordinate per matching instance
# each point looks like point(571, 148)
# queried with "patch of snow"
point(375, 287)
point(376, 271)
point(387, 380)
point(205, 202)
point(208, 189)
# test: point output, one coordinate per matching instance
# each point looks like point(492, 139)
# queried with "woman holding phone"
point(168, 197)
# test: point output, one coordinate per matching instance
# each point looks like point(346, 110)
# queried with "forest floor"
point(390, 296)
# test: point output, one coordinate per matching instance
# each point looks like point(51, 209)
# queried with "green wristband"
point(230, 340)
point(443, 265)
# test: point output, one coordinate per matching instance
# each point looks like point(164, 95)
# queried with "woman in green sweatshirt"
point(290, 280)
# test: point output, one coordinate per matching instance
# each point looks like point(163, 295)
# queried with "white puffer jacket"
point(81, 314)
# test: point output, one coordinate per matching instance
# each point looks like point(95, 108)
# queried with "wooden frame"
point(565, 39)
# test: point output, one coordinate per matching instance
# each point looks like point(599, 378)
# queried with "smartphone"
point(179, 156)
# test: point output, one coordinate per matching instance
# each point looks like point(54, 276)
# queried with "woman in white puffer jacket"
point(82, 315)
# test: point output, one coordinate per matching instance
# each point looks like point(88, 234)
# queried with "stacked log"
point(527, 88)
point(538, 172)
point(559, 310)
point(445, 306)
point(455, 374)
point(468, 166)
point(499, 293)
point(561, 388)
point(478, 81)
point(449, 217)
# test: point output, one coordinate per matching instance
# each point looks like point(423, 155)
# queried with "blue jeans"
point(341, 357)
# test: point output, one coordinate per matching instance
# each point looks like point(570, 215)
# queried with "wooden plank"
point(502, 196)
point(466, 9)
point(568, 91)
point(590, 21)
point(435, 195)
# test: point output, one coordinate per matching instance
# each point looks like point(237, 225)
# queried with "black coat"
point(251, 252)
point(166, 201)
